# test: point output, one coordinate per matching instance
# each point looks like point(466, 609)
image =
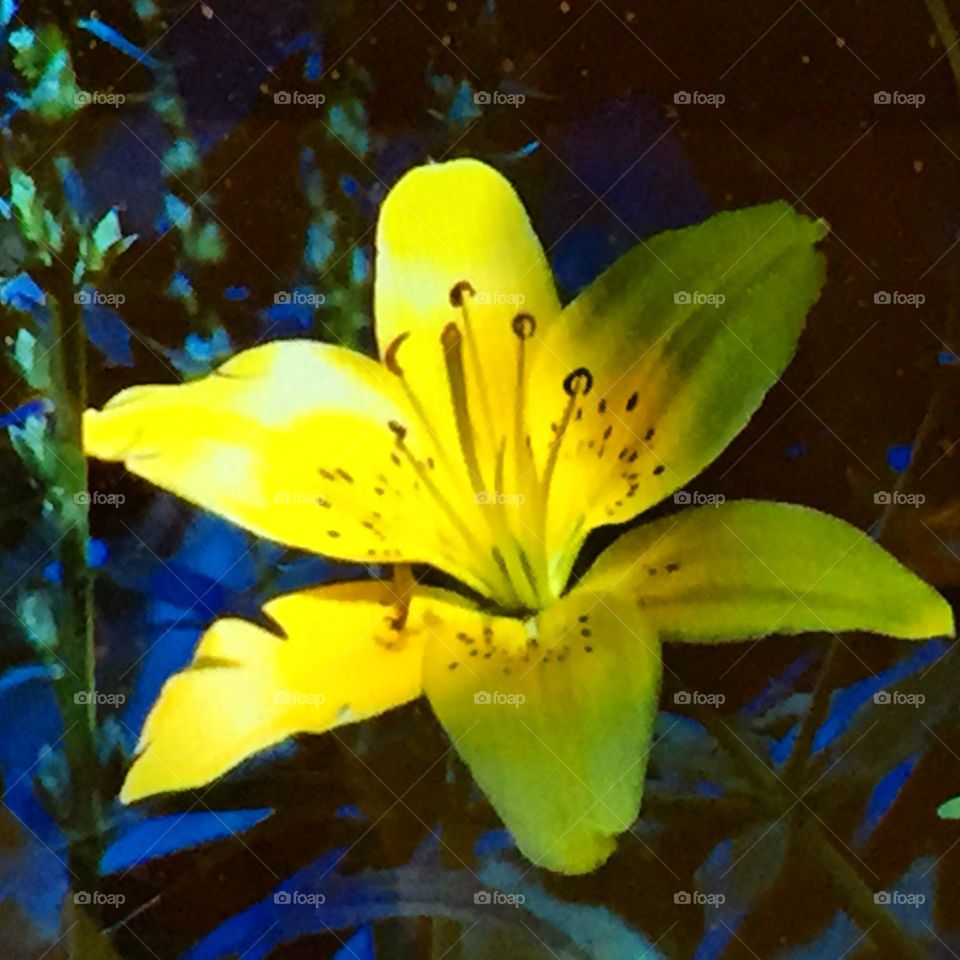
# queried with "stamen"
point(403, 584)
point(452, 343)
point(524, 326)
point(420, 469)
point(459, 295)
point(576, 384)
point(390, 354)
point(458, 290)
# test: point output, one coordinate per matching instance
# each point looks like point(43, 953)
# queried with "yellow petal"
point(297, 441)
point(682, 337)
point(248, 689)
point(441, 225)
point(554, 718)
point(746, 569)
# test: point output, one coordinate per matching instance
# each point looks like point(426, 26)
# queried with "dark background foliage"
point(603, 156)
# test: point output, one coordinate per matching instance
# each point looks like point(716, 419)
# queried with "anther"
point(524, 325)
point(390, 354)
point(578, 383)
point(458, 290)
point(398, 430)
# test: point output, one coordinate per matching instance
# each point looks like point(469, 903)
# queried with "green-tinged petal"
point(312, 445)
point(750, 568)
point(683, 337)
point(247, 689)
point(554, 718)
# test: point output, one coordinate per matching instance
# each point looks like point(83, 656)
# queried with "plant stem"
point(858, 896)
point(75, 646)
point(948, 35)
point(796, 765)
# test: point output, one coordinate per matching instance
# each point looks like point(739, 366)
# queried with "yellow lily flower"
point(497, 431)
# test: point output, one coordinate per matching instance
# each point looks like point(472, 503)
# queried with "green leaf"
point(750, 568)
point(949, 810)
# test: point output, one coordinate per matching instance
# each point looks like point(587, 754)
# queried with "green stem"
point(948, 35)
point(796, 766)
point(75, 642)
point(856, 893)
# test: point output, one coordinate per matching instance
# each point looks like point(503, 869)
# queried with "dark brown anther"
point(578, 382)
point(398, 430)
point(458, 290)
point(524, 325)
point(390, 354)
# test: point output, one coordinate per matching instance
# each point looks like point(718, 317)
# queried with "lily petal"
point(554, 718)
point(248, 689)
point(682, 337)
point(309, 444)
point(747, 569)
point(441, 225)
